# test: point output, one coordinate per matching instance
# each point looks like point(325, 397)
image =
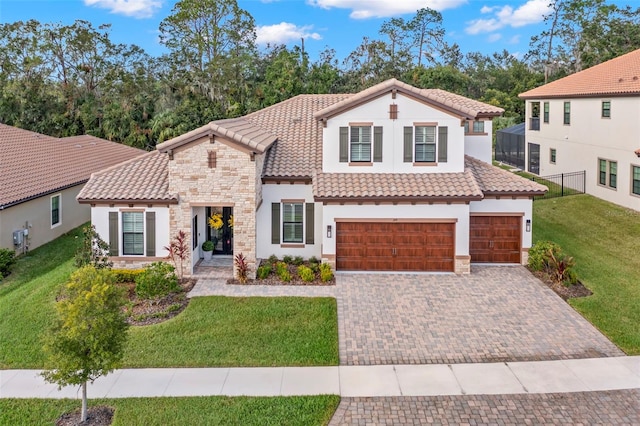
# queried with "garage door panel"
point(495, 239)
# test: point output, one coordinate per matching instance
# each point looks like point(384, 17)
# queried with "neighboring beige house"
point(40, 177)
point(393, 178)
point(590, 121)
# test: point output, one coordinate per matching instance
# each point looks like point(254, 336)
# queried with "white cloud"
point(284, 32)
point(515, 39)
point(385, 8)
point(135, 8)
point(532, 12)
point(494, 37)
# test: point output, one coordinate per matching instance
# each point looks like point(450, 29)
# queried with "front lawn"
point(212, 331)
point(217, 410)
point(604, 239)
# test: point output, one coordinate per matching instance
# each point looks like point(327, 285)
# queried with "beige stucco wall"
point(232, 183)
point(37, 213)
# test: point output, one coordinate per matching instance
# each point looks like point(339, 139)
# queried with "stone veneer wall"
point(462, 265)
point(231, 183)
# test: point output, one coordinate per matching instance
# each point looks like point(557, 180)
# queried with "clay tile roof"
point(238, 130)
point(495, 181)
point(328, 186)
point(298, 151)
point(456, 104)
point(144, 178)
point(619, 76)
point(32, 164)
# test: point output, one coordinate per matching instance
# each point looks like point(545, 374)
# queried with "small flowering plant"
point(215, 221)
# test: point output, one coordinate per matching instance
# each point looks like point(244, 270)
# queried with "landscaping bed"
point(565, 291)
point(290, 271)
point(143, 311)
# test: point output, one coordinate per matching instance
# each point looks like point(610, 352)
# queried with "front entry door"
point(223, 236)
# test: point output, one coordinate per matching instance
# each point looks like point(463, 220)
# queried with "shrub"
point(298, 260)
point(273, 259)
point(560, 268)
point(93, 250)
point(540, 254)
point(242, 267)
point(207, 246)
point(7, 260)
point(263, 271)
point(156, 281)
point(287, 259)
point(282, 270)
point(326, 274)
point(126, 275)
point(306, 274)
point(314, 259)
point(315, 267)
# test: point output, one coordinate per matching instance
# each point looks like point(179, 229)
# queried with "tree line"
point(65, 80)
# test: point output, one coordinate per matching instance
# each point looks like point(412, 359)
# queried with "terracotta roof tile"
point(619, 76)
point(493, 180)
point(395, 185)
point(32, 164)
point(449, 101)
point(144, 178)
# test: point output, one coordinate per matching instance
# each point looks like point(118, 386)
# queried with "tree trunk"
point(83, 413)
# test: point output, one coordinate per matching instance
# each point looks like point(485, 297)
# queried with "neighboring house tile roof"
point(495, 181)
point(237, 130)
point(345, 186)
point(143, 179)
point(33, 164)
point(618, 77)
point(456, 104)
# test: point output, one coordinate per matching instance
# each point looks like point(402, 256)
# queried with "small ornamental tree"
point(178, 250)
point(93, 251)
point(88, 337)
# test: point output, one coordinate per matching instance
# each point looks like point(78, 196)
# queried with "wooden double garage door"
point(495, 239)
point(395, 246)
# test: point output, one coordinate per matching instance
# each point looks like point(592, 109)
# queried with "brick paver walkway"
point(498, 313)
point(605, 408)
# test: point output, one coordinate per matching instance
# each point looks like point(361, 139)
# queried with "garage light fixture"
point(328, 231)
point(528, 226)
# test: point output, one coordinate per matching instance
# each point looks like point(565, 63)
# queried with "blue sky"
point(476, 25)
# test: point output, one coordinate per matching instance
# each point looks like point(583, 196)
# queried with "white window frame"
point(422, 142)
point(59, 222)
point(122, 232)
point(285, 222)
point(360, 142)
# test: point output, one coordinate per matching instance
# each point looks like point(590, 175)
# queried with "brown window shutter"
point(393, 111)
point(344, 144)
point(310, 223)
point(275, 223)
point(212, 159)
point(113, 234)
point(151, 233)
point(377, 144)
point(442, 144)
point(408, 144)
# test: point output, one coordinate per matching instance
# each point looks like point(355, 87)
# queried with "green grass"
point(218, 410)
point(212, 331)
point(233, 331)
point(604, 240)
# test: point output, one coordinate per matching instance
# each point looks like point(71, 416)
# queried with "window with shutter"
point(360, 144)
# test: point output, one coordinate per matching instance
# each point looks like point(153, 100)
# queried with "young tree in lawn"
point(88, 337)
point(93, 251)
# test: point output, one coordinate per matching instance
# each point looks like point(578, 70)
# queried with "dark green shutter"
point(113, 233)
point(310, 223)
point(275, 223)
point(344, 144)
point(408, 144)
point(442, 144)
point(151, 234)
point(377, 144)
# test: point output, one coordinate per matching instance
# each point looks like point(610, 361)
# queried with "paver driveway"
point(497, 313)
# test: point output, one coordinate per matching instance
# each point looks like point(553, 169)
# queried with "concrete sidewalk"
point(579, 375)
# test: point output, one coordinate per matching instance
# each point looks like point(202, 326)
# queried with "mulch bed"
point(146, 312)
point(96, 416)
point(273, 279)
point(564, 291)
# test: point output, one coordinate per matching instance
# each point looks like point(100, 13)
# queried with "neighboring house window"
point(475, 127)
point(360, 143)
point(606, 109)
point(546, 112)
point(292, 226)
point(132, 233)
point(55, 210)
point(425, 144)
point(608, 169)
point(534, 121)
point(552, 155)
point(635, 180)
point(567, 113)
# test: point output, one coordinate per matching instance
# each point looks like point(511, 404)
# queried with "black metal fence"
point(563, 184)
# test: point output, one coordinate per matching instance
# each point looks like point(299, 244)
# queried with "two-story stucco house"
point(590, 121)
point(393, 178)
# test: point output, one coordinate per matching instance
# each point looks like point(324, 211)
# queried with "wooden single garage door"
point(393, 246)
point(495, 239)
